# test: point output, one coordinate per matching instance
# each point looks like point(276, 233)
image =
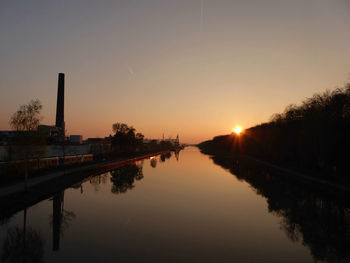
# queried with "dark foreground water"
point(183, 208)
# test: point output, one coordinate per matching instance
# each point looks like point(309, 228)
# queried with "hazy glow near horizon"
point(187, 67)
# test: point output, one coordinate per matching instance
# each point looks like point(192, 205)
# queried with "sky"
point(196, 68)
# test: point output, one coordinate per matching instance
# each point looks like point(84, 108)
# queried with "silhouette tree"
point(314, 136)
point(125, 140)
point(27, 143)
point(27, 117)
point(122, 128)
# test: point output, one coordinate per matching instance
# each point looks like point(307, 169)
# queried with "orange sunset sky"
point(196, 68)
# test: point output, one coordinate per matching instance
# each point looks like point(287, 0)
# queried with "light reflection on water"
point(181, 208)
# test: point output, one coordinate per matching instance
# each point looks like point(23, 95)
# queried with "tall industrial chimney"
point(60, 104)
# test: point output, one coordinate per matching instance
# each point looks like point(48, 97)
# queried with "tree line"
point(127, 141)
point(312, 136)
point(27, 142)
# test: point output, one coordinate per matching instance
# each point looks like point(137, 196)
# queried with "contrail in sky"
point(202, 14)
point(131, 71)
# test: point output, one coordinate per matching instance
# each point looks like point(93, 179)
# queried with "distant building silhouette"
point(60, 105)
point(76, 139)
point(49, 130)
point(56, 133)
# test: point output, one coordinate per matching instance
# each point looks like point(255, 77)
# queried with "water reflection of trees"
point(165, 156)
point(153, 162)
point(22, 244)
point(97, 180)
point(123, 178)
point(319, 220)
point(162, 158)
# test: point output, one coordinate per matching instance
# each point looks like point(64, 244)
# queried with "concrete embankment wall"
point(58, 150)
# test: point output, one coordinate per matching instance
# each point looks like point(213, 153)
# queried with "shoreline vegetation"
point(312, 138)
point(125, 143)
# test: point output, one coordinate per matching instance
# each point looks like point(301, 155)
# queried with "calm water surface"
point(186, 208)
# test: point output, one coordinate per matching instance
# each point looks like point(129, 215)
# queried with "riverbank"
point(287, 172)
point(13, 198)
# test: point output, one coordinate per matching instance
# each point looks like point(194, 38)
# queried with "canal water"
point(188, 207)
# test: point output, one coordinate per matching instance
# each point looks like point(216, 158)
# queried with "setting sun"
point(237, 130)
